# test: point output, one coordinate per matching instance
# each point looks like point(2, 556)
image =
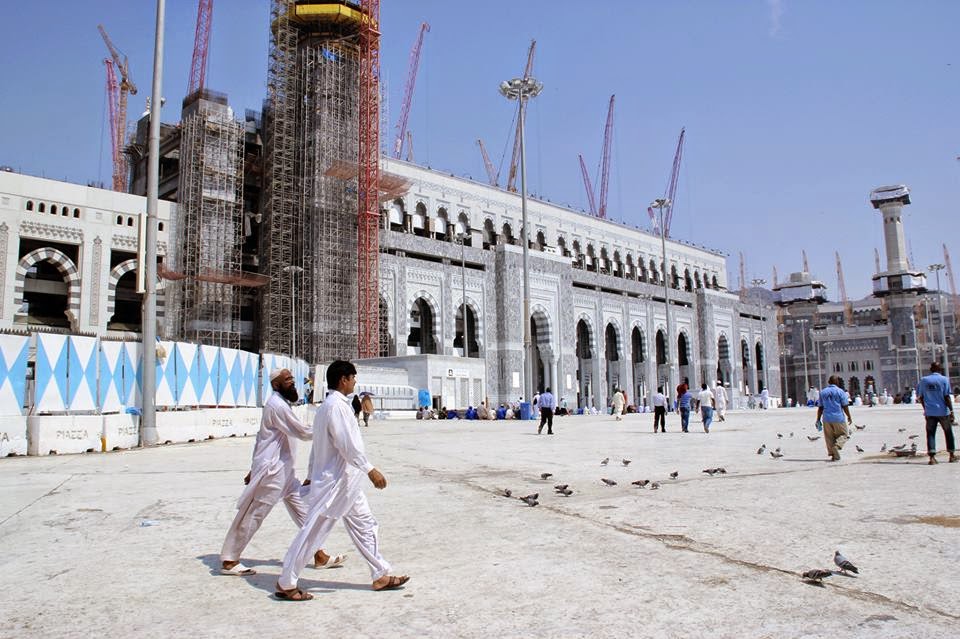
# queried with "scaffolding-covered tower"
point(206, 270)
point(309, 237)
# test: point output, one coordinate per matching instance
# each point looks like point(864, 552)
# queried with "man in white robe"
point(338, 465)
point(272, 477)
point(720, 396)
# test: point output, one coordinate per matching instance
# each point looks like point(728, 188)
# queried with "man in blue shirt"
point(833, 406)
point(683, 403)
point(547, 403)
point(933, 394)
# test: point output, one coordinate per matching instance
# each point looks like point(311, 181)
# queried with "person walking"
point(547, 404)
point(683, 405)
point(618, 404)
point(659, 410)
point(720, 395)
point(707, 405)
point(272, 477)
point(833, 407)
point(933, 393)
point(338, 462)
point(366, 406)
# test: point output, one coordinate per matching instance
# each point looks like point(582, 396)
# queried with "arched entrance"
point(761, 364)
point(745, 366)
point(683, 358)
point(663, 366)
point(422, 339)
point(854, 387)
point(127, 304)
point(611, 342)
point(724, 367)
point(472, 332)
point(47, 289)
point(639, 358)
point(542, 353)
point(584, 364)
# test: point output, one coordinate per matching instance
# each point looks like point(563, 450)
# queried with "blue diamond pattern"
point(182, 372)
point(220, 376)
point(236, 379)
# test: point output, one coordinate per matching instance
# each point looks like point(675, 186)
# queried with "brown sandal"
point(393, 582)
point(294, 594)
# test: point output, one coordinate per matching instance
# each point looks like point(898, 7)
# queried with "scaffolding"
point(206, 274)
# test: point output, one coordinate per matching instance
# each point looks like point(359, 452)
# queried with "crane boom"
point(515, 159)
point(743, 274)
point(409, 157)
point(842, 287)
point(605, 161)
point(201, 44)
point(113, 95)
point(674, 179)
point(492, 175)
point(806, 265)
point(119, 120)
point(408, 91)
point(591, 201)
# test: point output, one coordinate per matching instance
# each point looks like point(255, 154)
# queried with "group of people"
point(331, 493)
point(708, 402)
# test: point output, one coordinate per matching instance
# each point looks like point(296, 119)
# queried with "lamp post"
point(763, 335)
point(293, 271)
point(661, 203)
point(463, 294)
point(936, 268)
point(522, 89)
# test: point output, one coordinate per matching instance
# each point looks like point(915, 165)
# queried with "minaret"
point(897, 278)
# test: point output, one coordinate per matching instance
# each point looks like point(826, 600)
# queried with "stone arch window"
point(562, 247)
point(697, 282)
point(489, 234)
point(617, 264)
point(578, 259)
point(637, 346)
point(745, 361)
point(631, 268)
point(29, 205)
point(396, 216)
point(674, 277)
point(120, 220)
point(683, 350)
point(642, 274)
point(604, 265)
point(419, 220)
point(508, 234)
point(76, 212)
point(591, 261)
point(422, 338)
point(64, 211)
point(473, 330)
point(123, 301)
point(715, 284)
point(584, 350)
point(724, 370)
point(687, 281)
point(761, 364)
point(654, 273)
point(441, 228)
point(160, 226)
point(541, 241)
point(129, 221)
point(53, 209)
point(42, 208)
point(462, 227)
point(661, 348)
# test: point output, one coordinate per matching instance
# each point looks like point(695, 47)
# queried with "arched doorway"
point(745, 365)
point(422, 339)
point(474, 346)
point(724, 366)
point(639, 358)
point(127, 309)
point(854, 388)
point(663, 366)
point(584, 364)
point(541, 355)
point(611, 342)
point(761, 364)
point(683, 358)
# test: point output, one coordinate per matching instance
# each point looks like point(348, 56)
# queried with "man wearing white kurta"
point(720, 397)
point(337, 467)
point(272, 477)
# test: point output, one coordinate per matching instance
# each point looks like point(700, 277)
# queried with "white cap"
point(277, 372)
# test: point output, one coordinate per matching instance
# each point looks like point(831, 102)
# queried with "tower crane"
point(591, 200)
point(201, 44)
point(515, 160)
point(408, 91)
point(672, 187)
point(952, 282)
point(847, 306)
point(605, 161)
point(118, 121)
point(806, 265)
point(492, 175)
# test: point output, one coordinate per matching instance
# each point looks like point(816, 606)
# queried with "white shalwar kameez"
point(720, 395)
point(338, 466)
point(272, 476)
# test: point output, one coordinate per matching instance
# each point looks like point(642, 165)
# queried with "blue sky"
point(794, 109)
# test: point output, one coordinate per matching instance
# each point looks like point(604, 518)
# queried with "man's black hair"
point(338, 370)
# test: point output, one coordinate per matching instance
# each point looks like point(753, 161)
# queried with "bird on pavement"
point(778, 449)
point(546, 475)
point(606, 460)
point(762, 449)
point(776, 454)
point(721, 470)
point(859, 427)
point(816, 575)
point(901, 430)
point(900, 447)
point(529, 500)
point(859, 450)
point(813, 438)
point(534, 496)
point(791, 433)
point(640, 483)
point(608, 482)
point(560, 487)
point(844, 563)
point(625, 462)
point(566, 492)
point(779, 435)
point(883, 448)
point(674, 474)
point(507, 492)
point(913, 436)
point(655, 485)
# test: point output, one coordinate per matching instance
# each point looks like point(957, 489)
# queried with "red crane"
point(118, 122)
point(368, 185)
point(113, 97)
point(408, 91)
point(515, 160)
point(605, 161)
point(591, 200)
point(201, 44)
point(672, 187)
point(492, 175)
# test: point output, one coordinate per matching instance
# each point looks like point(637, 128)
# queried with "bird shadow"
point(815, 584)
point(848, 575)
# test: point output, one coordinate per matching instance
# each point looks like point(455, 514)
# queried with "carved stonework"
point(95, 267)
point(53, 232)
point(125, 243)
point(4, 238)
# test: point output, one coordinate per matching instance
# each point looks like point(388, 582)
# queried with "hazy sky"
point(794, 109)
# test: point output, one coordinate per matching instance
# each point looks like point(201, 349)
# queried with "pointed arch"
point(67, 269)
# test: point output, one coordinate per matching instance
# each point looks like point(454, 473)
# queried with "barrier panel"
point(14, 350)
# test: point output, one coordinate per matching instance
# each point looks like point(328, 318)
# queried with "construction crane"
point(409, 157)
point(408, 91)
point(672, 187)
point(113, 95)
point(952, 282)
point(775, 278)
point(806, 265)
point(591, 199)
point(876, 258)
point(743, 275)
point(201, 44)
point(515, 160)
point(492, 175)
point(847, 306)
point(605, 161)
point(118, 123)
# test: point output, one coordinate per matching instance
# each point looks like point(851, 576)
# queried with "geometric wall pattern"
point(14, 350)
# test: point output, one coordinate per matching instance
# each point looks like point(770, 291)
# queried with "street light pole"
point(936, 268)
point(522, 89)
point(763, 334)
point(660, 204)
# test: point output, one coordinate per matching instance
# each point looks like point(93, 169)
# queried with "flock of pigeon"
point(900, 451)
point(817, 575)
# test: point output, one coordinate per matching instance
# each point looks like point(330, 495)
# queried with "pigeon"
point(901, 430)
point(859, 450)
point(674, 474)
point(791, 433)
point(813, 438)
point(566, 492)
point(900, 447)
point(641, 483)
point(606, 460)
point(779, 435)
point(883, 448)
point(776, 454)
point(778, 449)
point(913, 446)
point(721, 470)
point(859, 427)
point(625, 462)
point(709, 471)
point(762, 449)
point(655, 485)
point(816, 575)
point(534, 497)
point(844, 563)
point(507, 492)
point(529, 500)
point(608, 482)
point(560, 487)
point(546, 475)
point(913, 436)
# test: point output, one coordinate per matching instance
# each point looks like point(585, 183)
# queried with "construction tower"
point(315, 181)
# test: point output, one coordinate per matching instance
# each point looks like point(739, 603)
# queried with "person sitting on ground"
point(453, 414)
point(511, 414)
point(420, 413)
point(443, 413)
point(471, 413)
point(483, 412)
point(502, 412)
